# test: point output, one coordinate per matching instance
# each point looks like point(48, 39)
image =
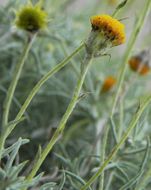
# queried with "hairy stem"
point(43, 80)
point(133, 123)
point(34, 91)
point(103, 149)
point(131, 43)
point(60, 129)
point(13, 84)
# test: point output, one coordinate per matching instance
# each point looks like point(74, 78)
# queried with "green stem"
point(99, 127)
point(103, 148)
point(137, 151)
point(144, 181)
point(43, 80)
point(119, 7)
point(34, 92)
point(5, 134)
point(13, 84)
point(121, 119)
point(110, 179)
point(131, 43)
point(73, 128)
point(60, 129)
point(117, 147)
point(130, 46)
point(2, 142)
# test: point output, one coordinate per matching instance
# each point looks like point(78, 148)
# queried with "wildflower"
point(111, 28)
point(140, 63)
point(108, 84)
point(106, 33)
point(31, 18)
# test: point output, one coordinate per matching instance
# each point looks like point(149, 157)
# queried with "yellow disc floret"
point(31, 18)
point(112, 29)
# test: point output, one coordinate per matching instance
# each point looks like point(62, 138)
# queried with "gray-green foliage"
point(74, 159)
point(10, 172)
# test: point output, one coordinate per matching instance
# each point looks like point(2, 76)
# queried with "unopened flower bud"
point(31, 18)
point(108, 84)
point(140, 63)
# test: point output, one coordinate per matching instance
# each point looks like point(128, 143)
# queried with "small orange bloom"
point(108, 84)
point(139, 65)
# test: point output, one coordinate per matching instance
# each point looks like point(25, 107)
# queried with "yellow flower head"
point(110, 28)
point(31, 18)
point(108, 84)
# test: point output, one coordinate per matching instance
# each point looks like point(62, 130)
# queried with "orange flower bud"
point(140, 63)
point(108, 84)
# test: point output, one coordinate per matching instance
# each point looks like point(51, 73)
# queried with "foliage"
point(90, 134)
